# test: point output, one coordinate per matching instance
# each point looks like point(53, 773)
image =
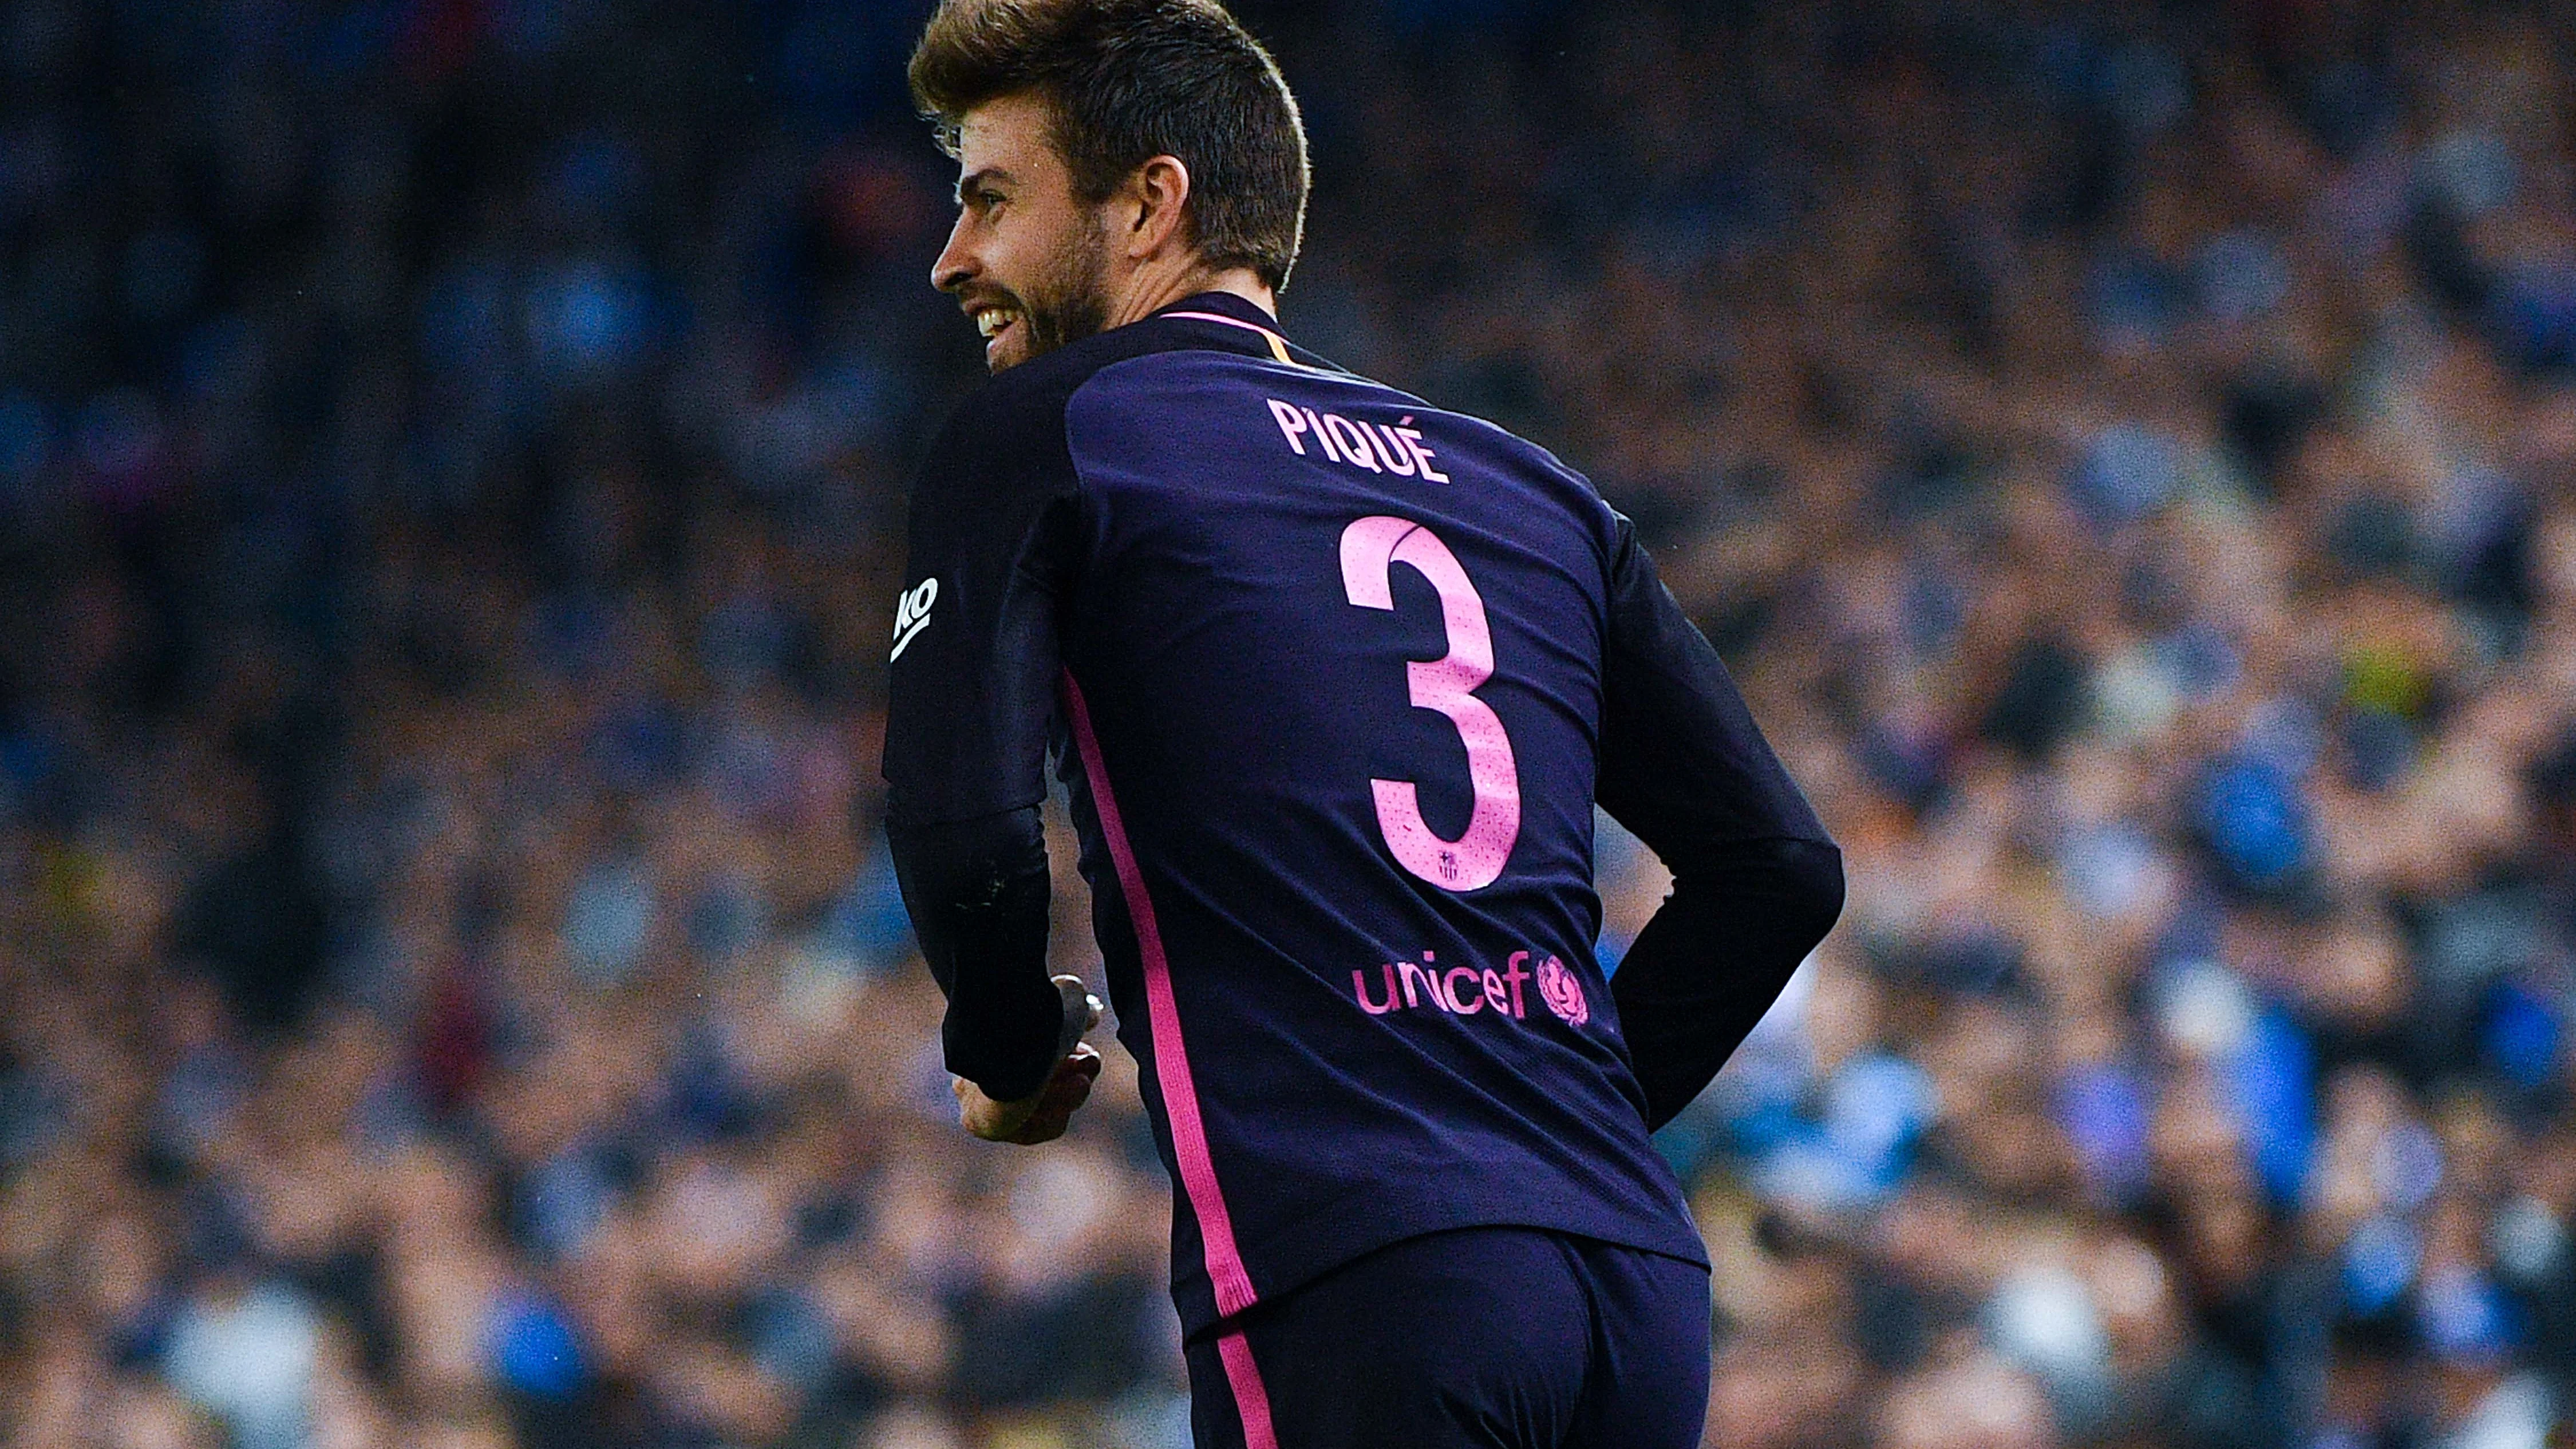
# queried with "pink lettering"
point(1390, 450)
point(1463, 1005)
point(1408, 972)
point(1354, 441)
point(1324, 436)
point(1290, 424)
point(1421, 455)
point(1359, 988)
point(1467, 990)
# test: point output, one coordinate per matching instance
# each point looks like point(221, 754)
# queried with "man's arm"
point(1756, 883)
point(978, 892)
point(970, 704)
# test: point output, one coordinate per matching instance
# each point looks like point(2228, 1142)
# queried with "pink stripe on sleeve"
point(1251, 1399)
point(1171, 1064)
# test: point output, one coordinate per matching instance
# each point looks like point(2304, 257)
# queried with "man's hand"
point(1042, 1115)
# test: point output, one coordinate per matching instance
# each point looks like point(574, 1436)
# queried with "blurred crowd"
point(452, 458)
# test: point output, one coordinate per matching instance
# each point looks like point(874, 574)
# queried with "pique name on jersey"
point(1362, 444)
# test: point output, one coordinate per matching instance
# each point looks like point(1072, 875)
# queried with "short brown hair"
point(1129, 80)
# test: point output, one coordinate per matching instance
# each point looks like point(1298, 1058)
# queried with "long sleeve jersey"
point(1334, 679)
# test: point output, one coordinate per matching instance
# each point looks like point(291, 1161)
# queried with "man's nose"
point(955, 263)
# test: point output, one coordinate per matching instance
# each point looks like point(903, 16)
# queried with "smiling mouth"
point(991, 320)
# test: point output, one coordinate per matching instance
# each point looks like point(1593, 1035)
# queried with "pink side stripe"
point(1171, 1064)
point(1251, 1400)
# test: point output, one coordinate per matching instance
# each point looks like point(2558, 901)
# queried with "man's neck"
point(1149, 295)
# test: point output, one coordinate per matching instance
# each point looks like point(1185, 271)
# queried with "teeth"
point(995, 320)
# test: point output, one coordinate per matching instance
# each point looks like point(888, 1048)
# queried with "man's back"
point(1346, 716)
point(1332, 686)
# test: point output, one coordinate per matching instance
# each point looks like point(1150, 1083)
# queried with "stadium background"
point(451, 454)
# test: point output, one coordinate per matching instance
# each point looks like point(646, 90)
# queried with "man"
point(1335, 679)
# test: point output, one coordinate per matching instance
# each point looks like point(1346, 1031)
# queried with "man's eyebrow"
point(974, 179)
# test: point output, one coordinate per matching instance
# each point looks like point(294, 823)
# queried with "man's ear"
point(1158, 194)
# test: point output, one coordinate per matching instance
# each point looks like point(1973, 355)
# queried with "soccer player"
point(1334, 678)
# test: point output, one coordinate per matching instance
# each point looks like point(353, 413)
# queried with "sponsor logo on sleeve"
point(912, 615)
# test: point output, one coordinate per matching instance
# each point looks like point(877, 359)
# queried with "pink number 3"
point(1371, 548)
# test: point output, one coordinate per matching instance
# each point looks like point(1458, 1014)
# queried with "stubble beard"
point(1071, 301)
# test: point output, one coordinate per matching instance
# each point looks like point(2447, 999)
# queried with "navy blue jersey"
point(1334, 678)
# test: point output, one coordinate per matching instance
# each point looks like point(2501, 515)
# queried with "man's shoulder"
point(1031, 395)
point(1020, 410)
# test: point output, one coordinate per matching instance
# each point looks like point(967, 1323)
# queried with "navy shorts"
point(1496, 1338)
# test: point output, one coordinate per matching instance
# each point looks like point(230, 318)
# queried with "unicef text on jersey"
point(1468, 990)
